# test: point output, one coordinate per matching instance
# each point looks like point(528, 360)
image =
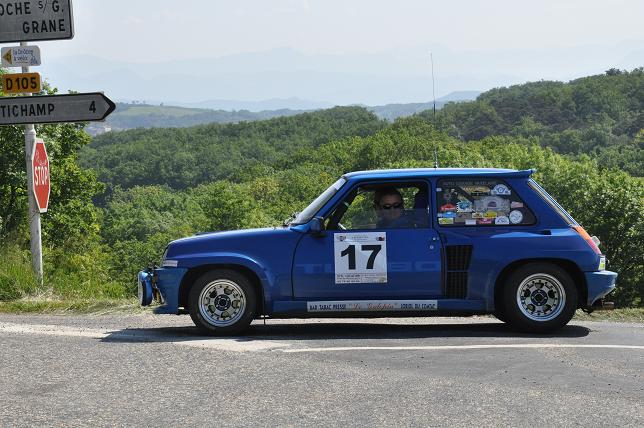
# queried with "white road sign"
point(20, 56)
point(90, 107)
point(24, 20)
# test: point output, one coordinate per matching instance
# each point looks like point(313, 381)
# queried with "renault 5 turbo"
point(409, 242)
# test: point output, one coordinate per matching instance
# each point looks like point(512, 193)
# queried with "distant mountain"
point(459, 96)
point(376, 78)
point(291, 103)
point(393, 111)
point(139, 115)
point(143, 115)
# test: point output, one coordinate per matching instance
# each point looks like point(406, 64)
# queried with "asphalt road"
point(157, 370)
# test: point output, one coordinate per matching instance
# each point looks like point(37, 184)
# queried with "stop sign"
point(40, 174)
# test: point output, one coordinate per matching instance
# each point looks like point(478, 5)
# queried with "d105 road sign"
point(19, 83)
point(20, 56)
point(40, 174)
point(90, 107)
point(24, 20)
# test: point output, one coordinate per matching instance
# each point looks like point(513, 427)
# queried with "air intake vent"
point(456, 287)
point(458, 257)
point(458, 262)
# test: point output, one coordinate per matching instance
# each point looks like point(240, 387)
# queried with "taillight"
point(593, 241)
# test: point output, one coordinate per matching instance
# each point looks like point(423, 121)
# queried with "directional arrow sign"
point(24, 20)
point(20, 56)
point(90, 107)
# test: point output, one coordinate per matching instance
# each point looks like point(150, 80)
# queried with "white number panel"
point(360, 257)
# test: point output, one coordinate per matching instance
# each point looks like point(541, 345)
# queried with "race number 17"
point(351, 252)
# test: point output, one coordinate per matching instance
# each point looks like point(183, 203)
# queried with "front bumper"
point(599, 284)
point(162, 285)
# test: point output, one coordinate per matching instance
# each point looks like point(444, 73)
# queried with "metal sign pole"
point(34, 213)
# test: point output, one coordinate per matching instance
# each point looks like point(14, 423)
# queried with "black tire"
point(223, 288)
point(500, 315)
point(548, 300)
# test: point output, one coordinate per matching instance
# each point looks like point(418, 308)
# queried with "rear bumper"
point(599, 284)
point(165, 282)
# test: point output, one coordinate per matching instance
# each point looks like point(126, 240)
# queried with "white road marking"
point(53, 330)
point(458, 347)
point(222, 344)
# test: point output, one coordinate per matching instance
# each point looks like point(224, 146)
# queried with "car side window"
point(382, 206)
point(480, 202)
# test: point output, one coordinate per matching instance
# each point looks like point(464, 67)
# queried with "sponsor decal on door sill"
point(371, 305)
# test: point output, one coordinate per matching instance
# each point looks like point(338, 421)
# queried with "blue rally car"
point(411, 242)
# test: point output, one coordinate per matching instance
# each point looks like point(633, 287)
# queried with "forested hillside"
point(141, 115)
point(599, 116)
point(131, 116)
point(161, 184)
point(182, 158)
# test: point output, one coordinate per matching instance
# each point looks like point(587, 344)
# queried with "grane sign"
point(35, 20)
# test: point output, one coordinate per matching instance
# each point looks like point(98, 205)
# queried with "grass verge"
point(617, 315)
point(71, 306)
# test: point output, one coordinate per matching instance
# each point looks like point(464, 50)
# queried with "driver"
point(390, 208)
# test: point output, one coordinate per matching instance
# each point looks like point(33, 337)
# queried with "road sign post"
point(35, 228)
point(21, 21)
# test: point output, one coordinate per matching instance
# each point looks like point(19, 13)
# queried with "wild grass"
point(35, 305)
point(617, 315)
point(76, 282)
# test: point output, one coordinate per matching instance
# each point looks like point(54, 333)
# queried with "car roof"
point(438, 172)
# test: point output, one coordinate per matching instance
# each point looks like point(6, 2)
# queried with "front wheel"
point(222, 302)
point(539, 298)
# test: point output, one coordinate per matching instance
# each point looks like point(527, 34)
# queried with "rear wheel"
point(539, 298)
point(500, 315)
point(222, 302)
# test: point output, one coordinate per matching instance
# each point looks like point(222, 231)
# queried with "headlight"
point(168, 263)
point(602, 263)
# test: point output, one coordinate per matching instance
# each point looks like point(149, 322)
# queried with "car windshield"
point(315, 206)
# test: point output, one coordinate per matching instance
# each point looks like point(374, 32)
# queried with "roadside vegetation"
point(116, 201)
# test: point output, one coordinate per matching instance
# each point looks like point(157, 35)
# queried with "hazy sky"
point(152, 30)
point(477, 44)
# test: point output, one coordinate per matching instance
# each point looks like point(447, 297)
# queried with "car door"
point(364, 258)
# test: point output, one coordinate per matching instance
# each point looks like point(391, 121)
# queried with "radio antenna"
point(431, 57)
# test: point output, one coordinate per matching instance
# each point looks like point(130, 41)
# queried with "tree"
point(72, 217)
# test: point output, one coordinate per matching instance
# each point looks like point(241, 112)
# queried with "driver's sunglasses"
point(397, 205)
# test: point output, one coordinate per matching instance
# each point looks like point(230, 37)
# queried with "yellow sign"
point(18, 83)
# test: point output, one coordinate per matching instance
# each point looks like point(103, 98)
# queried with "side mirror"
point(317, 226)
